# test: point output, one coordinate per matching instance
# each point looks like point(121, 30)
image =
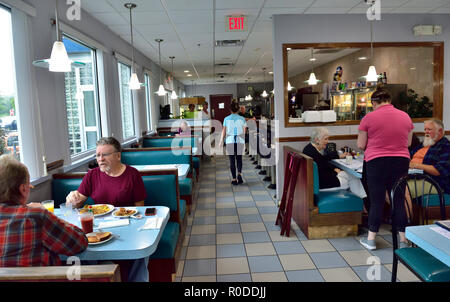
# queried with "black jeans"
point(382, 174)
point(234, 152)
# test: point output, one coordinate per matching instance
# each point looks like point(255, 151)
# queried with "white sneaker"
point(368, 244)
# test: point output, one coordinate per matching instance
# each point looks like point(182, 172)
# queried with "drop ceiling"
point(191, 27)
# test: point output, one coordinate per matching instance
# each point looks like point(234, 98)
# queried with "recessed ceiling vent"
point(220, 81)
point(224, 64)
point(229, 43)
point(329, 50)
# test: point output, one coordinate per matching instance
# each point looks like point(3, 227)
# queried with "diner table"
point(128, 242)
point(356, 164)
point(433, 239)
point(183, 169)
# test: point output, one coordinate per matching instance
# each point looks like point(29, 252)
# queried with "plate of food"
point(96, 238)
point(97, 209)
point(124, 212)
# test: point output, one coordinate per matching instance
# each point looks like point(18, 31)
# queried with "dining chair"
point(290, 178)
point(426, 267)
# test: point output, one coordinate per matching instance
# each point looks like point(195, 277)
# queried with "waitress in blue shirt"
point(234, 130)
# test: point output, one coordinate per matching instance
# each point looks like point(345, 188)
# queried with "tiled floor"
point(232, 237)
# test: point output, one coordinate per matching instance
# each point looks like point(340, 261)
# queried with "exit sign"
point(236, 23)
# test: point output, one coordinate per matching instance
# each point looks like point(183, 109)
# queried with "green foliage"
point(416, 107)
point(2, 141)
point(6, 104)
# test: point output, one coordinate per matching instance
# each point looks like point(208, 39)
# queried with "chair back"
point(415, 189)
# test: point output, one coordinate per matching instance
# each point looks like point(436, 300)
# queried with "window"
point(83, 119)
point(148, 94)
point(126, 101)
point(9, 119)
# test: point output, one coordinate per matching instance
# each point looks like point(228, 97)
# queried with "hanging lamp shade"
point(59, 60)
point(372, 75)
point(161, 91)
point(134, 82)
point(289, 88)
point(312, 79)
point(174, 95)
point(264, 94)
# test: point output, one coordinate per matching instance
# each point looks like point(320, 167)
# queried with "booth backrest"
point(316, 178)
point(63, 184)
point(170, 141)
point(157, 156)
point(163, 190)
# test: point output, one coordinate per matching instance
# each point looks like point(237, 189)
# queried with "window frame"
point(148, 100)
point(129, 138)
point(96, 85)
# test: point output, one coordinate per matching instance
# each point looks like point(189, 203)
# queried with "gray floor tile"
point(263, 264)
point(200, 267)
point(245, 204)
point(268, 210)
point(204, 220)
point(253, 237)
point(375, 273)
point(328, 260)
point(228, 228)
point(224, 199)
point(242, 193)
point(250, 218)
point(304, 276)
point(262, 198)
point(270, 226)
point(205, 206)
point(206, 239)
point(346, 244)
point(226, 212)
point(234, 278)
point(230, 250)
point(289, 247)
point(385, 255)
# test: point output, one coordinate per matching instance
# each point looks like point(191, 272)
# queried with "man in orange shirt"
point(433, 155)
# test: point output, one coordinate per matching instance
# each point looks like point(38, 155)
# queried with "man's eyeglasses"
point(103, 154)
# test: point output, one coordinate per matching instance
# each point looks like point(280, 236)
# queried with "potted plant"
point(413, 105)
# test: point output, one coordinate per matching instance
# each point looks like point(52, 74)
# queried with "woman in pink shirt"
point(385, 135)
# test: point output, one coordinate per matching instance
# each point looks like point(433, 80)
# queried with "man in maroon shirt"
point(112, 182)
point(29, 234)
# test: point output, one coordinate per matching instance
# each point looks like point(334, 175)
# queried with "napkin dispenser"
point(327, 116)
point(311, 116)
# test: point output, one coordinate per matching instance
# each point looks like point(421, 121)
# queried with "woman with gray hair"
point(329, 175)
point(30, 235)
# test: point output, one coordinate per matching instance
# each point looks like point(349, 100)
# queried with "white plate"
point(111, 208)
point(101, 242)
point(126, 216)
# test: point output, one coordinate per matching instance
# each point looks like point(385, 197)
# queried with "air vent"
point(229, 43)
point(224, 64)
point(220, 81)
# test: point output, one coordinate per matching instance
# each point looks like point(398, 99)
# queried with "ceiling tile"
point(110, 18)
point(193, 17)
point(427, 3)
point(411, 10)
point(288, 3)
point(326, 10)
point(335, 3)
point(98, 6)
point(189, 4)
point(232, 4)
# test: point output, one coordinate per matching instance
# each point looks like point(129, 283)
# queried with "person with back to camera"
point(329, 175)
point(234, 127)
point(29, 234)
point(384, 135)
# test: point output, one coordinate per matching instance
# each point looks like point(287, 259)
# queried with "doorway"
point(220, 106)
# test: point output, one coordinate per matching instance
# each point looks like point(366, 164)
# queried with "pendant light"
point(372, 75)
point(161, 91)
point(248, 97)
point(134, 83)
point(174, 95)
point(312, 77)
point(264, 94)
point(289, 88)
point(59, 60)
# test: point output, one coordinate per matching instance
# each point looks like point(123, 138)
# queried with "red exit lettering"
point(236, 23)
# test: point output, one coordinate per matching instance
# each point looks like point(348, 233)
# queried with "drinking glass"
point(87, 222)
point(49, 205)
point(348, 159)
point(66, 209)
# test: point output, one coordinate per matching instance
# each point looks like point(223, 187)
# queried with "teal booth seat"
point(61, 187)
point(174, 142)
point(161, 157)
point(162, 191)
point(433, 200)
point(168, 243)
point(423, 264)
point(335, 201)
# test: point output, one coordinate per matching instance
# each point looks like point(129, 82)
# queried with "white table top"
point(183, 169)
